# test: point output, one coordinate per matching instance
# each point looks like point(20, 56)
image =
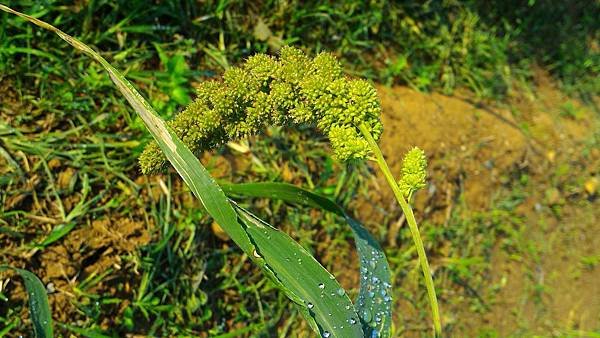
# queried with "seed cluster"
point(265, 91)
point(414, 171)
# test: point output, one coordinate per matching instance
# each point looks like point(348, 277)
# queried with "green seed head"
point(347, 144)
point(327, 66)
point(414, 172)
point(293, 65)
point(263, 67)
point(275, 91)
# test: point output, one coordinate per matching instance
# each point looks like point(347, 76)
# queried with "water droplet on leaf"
point(366, 315)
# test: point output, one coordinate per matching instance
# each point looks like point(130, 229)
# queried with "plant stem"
point(412, 224)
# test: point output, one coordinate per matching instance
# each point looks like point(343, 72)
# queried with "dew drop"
point(321, 286)
point(366, 315)
point(341, 292)
point(326, 334)
point(310, 305)
point(352, 321)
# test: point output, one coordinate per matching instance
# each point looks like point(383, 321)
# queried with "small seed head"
point(414, 171)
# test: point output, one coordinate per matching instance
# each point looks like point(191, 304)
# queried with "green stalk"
point(412, 224)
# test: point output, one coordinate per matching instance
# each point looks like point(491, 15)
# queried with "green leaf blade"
point(39, 309)
point(57, 233)
point(374, 302)
point(312, 286)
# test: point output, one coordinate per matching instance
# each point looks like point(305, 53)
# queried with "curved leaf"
point(39, 310)
point(374, 301)
point(305, 280)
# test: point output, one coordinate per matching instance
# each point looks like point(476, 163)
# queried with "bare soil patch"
point(475, 150)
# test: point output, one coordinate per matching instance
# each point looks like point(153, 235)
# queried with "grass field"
point(501, 95)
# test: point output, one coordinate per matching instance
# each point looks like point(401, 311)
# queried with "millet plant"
point(291, 89)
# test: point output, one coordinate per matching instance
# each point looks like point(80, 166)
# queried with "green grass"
point(187, 280)
point(486, 46)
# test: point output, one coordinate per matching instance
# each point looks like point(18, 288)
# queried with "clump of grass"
point(483, 45)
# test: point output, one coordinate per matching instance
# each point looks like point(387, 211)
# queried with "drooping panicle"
point(266, 90)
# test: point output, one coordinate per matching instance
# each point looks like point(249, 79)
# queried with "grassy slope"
point(140, 259)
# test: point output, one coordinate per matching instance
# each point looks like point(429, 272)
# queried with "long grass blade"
point(39, 310)
point(374, 302)
point(305, 280)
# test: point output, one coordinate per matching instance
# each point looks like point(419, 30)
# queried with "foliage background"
point(167, 270)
